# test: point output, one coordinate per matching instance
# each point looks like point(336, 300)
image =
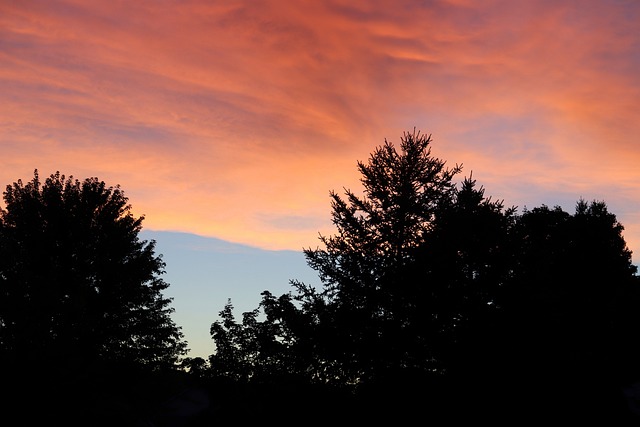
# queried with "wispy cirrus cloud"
point(230, 119)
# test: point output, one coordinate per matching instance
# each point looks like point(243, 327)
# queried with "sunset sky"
point(233, 120)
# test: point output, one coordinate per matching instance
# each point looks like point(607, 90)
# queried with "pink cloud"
point(235, 120)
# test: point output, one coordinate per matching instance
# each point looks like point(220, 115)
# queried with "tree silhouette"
point(77, 286)
point(434, 296)
point(459, 273)
point(364, 266)
point(569, 312)
point(391, 294)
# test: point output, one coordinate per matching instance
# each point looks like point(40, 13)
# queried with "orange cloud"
point(235, 120)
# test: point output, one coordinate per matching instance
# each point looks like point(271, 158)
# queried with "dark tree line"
point(435, 302)
point(436, 299)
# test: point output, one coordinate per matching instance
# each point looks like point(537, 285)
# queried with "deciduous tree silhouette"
point(77, 285)
point(569, 312)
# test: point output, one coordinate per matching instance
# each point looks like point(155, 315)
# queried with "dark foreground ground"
point(177, 400)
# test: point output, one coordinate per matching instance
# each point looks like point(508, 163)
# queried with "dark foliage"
point(76, 283)
point(566, 337)
point(439, 302)
point(86, 336)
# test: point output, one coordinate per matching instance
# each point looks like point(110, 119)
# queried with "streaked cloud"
point(235, 119)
